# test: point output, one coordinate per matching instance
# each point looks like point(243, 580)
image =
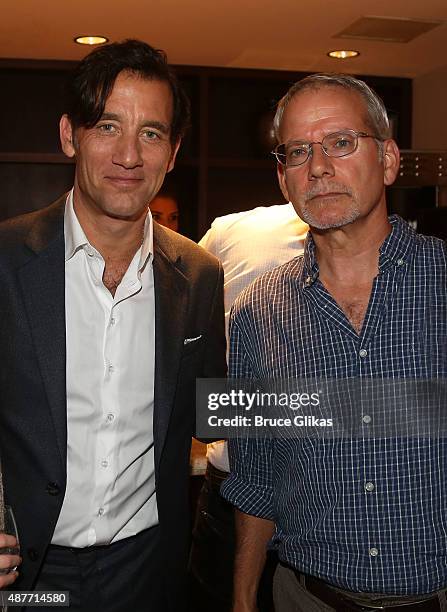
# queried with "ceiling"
point(276, 34)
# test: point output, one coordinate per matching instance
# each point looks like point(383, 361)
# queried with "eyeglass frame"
point(310, 147)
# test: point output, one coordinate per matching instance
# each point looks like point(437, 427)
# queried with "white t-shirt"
point(248, 244)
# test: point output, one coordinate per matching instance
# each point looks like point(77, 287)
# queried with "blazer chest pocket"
point(192, 345)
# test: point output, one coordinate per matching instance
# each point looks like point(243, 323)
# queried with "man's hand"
point(8, 562)
point(252, 536)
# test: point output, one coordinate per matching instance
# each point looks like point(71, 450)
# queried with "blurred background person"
point(247, 244)
point(165, 210)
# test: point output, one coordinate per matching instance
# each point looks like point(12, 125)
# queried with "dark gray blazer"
point(33, 424)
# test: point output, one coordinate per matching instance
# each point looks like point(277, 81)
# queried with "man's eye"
point(151, 135)
point(342, 143)
point(297, 152)
point(106, 127)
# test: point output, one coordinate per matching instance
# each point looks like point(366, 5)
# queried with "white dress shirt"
point(248, 244)
point(110, 343)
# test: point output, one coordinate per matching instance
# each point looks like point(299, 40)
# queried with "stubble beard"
point(312, 211)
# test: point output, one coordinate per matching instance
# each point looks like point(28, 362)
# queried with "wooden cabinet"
point(224, 164)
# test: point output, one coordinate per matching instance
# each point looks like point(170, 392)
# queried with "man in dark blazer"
point(107, 321)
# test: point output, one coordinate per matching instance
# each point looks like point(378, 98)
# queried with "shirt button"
point(369, 486)
point(363, 352)
point(112, 321)
point(101, 511)
point(366, 419)
point(111, 369)
point(90, 254)
point(400, 262)
point(53, 488)
point(110, 417)
point(373, 552)
point(104, 463)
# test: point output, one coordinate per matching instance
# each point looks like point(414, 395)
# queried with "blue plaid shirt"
point(365, 514)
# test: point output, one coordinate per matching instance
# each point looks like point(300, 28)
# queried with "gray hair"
point(376, 115)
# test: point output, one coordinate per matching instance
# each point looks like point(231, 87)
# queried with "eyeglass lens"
point(337, 144)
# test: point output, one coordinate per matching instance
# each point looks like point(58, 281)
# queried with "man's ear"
point(281, 174)
point(67, 136)
point(175, 148)
point(391, 162)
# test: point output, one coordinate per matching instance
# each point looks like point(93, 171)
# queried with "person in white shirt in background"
point(247, 243)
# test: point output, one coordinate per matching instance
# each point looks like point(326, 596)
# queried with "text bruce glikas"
point(231, 403)
point(258, 399)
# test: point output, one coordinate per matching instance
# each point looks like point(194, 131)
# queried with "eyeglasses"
point(338, 144)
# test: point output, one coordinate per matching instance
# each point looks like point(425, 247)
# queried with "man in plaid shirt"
point(359, 521)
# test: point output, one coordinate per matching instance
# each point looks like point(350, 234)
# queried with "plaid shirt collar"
point(394, 251)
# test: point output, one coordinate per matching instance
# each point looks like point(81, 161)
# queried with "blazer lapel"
point(42, 281)
point(171, 307)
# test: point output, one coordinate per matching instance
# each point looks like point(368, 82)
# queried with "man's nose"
point(127, 152)
point(319, 163)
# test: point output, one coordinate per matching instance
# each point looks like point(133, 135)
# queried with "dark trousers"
point(212, 553)
point(122, 577)
point(292, 594)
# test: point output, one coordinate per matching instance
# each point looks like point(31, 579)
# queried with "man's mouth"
point(124, 180)
point(328, 195)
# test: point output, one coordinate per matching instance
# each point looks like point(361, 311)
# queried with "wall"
point(430, 110)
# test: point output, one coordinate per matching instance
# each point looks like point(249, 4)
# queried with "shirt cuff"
point(249, 498)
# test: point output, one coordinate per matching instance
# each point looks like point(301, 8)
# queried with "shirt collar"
point(397, 246)
point(76, 239)
point(394, 251)
point(310, 268)
point(147, 247)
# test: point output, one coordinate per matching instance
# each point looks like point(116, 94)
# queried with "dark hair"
point(93, 79)
point(169, 189)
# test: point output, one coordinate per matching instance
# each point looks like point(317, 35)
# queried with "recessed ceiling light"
point(90, 40)
point(343, 54)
